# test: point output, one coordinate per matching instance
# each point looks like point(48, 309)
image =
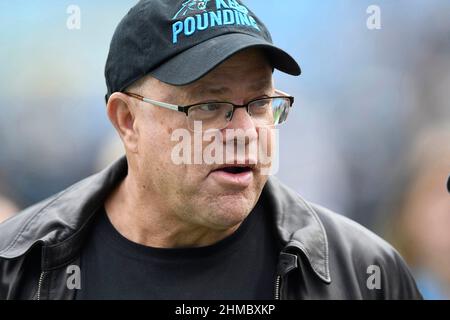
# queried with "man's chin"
point(231, 212)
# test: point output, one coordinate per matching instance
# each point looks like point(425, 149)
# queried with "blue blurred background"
point(369, 136)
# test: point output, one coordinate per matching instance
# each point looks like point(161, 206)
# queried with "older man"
point(153, 227)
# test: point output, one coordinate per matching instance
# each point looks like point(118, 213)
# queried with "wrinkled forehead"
point(209, 86)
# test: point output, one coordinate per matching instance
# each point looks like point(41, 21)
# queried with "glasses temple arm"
point(156, 103)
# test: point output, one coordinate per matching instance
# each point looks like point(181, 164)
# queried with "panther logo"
point(192, 5)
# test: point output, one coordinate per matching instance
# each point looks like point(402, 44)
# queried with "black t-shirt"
point(241, 266)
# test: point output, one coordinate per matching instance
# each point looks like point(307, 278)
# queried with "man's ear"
point(122, 115)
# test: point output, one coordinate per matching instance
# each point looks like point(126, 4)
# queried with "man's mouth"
point(235, 169)
point(234, 175)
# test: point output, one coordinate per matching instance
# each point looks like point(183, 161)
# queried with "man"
point(164, 223)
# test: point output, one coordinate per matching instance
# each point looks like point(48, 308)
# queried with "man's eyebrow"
point(213, 90)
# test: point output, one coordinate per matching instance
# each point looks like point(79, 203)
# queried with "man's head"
point(196, 193)
point(217, 53)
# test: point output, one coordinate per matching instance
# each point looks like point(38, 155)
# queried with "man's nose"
point(241, 120)
point(241, 126)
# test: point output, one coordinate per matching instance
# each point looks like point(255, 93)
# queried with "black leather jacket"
point(326, 256)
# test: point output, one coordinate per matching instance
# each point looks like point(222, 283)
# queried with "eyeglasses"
point(265, 112)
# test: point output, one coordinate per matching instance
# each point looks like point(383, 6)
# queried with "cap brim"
point(194, 63)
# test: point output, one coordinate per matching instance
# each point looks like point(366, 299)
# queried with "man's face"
point(199, 194)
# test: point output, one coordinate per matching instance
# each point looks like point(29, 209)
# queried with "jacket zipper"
point(41, 279)
point(277, 287)
point(286, 263)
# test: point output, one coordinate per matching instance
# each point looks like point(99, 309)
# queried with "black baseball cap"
point(179, 41)
point(448, 184)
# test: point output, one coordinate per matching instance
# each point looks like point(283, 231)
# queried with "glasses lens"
point(270, 111)
point(215, 115)
point(210, 115)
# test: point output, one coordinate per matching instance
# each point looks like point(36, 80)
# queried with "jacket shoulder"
point(11, 229)
point(365, 253)
point(55, 219)
point(11, 267)
point(356, 237)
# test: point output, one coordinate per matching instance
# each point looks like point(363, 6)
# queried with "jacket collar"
point(59, 222)
point(299, 226)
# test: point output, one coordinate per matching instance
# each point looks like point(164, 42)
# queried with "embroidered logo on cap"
point(198, 16)
point(191, 5)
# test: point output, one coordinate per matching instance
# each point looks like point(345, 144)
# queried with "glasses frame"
point(185, 109)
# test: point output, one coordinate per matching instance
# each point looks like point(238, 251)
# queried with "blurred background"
point(369, 136)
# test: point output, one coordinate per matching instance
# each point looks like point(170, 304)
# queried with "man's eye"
point(210, 107)
point(261, 104)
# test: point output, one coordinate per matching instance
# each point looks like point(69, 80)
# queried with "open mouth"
point(235, 169)
point(234, 176)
